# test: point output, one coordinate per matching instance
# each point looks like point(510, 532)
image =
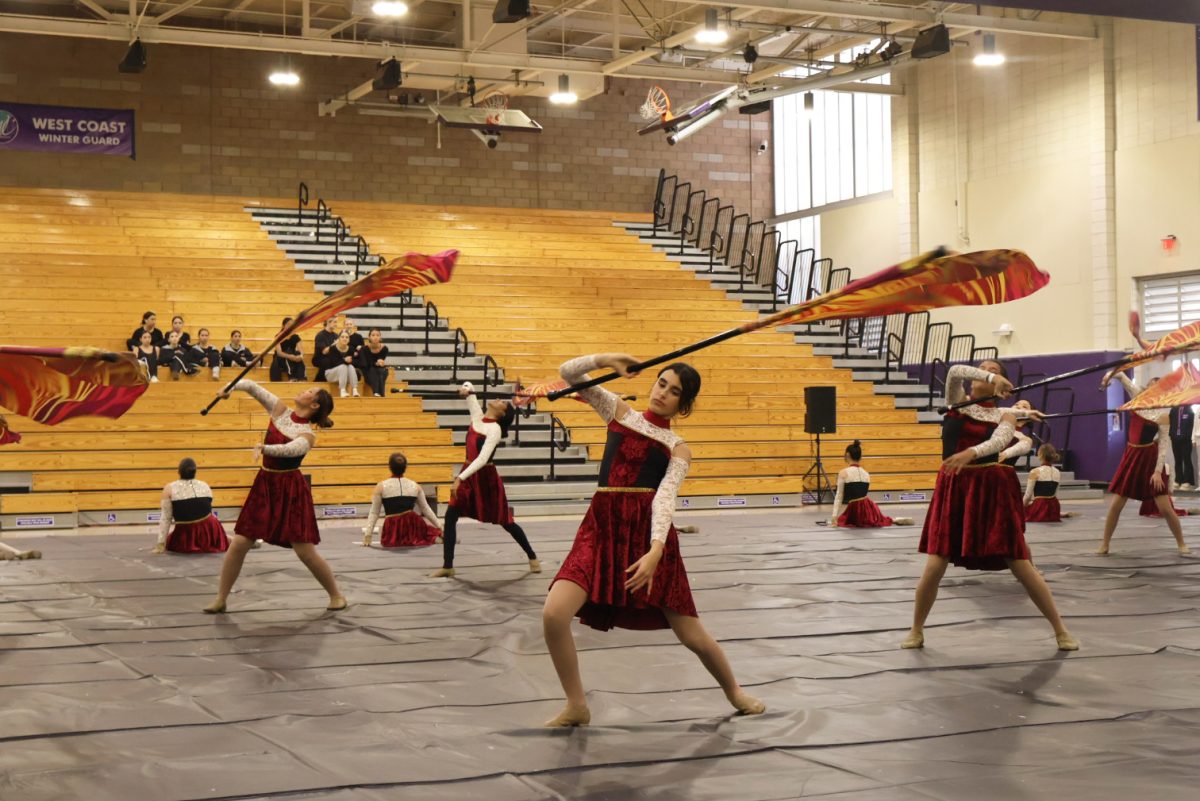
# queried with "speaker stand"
point(817, 472)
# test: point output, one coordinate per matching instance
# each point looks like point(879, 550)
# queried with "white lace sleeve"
point(261, 395)
point(473, 407)
point(1023, 445)
point(485, 453)
point(955, 378)
point(297, 447)
point(166, 517)
point(423, 508)
point(1029, 482)
point(1131, 389)
point(1165, 457)
point(373, 515)
point(837, 499)
point(1000, 437)
point(600, 399)
point(663, 507)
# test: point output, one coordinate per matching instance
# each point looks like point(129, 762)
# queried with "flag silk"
point(1179, 341)
point(1180, 388)
point(50, 385)
point(525, 395)
point(932, 280)
point(7, 436)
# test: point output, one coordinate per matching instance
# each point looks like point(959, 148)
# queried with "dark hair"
point(286, 320)
point(373, 330)
point(187, 468)
point(147, 316)
point(506, 420)
point(1048, 453)
point(234, 331)
point(202, 331)
point(320, 418)
point(397, 463)
point(146, 334)
point(854, 451)
point(178, 317)
point(689, 384)
point(1000, 364)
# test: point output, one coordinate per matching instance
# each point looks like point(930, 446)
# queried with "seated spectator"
point(321, 345)
point(203, 354)
point(235, 352)
point(174, 356)
point(185, 339)
point(188, 503)
point(339, 366)
point(356, 339)
point(149, 319)
point(147, 354)
point(372, 360)
point(288, 361)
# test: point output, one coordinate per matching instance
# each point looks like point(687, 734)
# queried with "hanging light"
point(284, 76)
point(388, 8)
point(989, 57)
point(564, 96)
point(810, 103)
point(712, 32)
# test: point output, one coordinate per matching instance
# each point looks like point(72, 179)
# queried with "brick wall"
point(209, 123)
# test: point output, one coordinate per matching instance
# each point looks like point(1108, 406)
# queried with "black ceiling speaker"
point(135, 58)
point(750, 54)
point(511, 10)
point(932, 42)
point(388, 77)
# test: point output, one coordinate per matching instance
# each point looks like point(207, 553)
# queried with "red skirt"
point(407, 528)
point(863, 513)
point(481, 496)
point(614, 534)
point(199, 536)
point(1132, 478)
point(976, 518)
point(279, 510)
point(1150, 509)
point(1043, 510)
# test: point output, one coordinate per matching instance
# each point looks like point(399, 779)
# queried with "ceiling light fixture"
point(389, 8)
point(712, 32)
point(988, 57)
point(564, 96)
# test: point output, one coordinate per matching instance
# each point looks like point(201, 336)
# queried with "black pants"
point(450, 538)
point(376, 378)
point(1182, 448)
point(151, 362)
point(286, 369)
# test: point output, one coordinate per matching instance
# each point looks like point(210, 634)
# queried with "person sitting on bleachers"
point(339, 366)
point(372, 362)
point(356, 339)
point(288, 361)
point(147, 354)
point(148, 326)
point(321, 345)
point(174, 355)
point(235, 352)
point(203, 354)
point(188, 504)
point(185, 339)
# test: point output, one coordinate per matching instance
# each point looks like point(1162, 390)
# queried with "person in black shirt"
point(356, 339)
point(288, 362)
point(185, 339)
point(147, 353)
point(372, 361)
point(149, 319)
point(321, 345)
point(175, 356)
point(1183, 421)
point(202, 353)
point(235, 352)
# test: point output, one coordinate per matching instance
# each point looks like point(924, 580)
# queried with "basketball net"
point(494, 104)
point(657, 104)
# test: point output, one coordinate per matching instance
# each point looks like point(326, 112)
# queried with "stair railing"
point(557, 443)
point(301, 202)
point(460, 337)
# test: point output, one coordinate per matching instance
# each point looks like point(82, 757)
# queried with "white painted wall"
point(865, 235)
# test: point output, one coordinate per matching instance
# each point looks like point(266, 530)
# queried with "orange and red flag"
point(1180, 388)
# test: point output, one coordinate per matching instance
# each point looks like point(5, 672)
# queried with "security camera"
point(763, 146)
point(489, 138)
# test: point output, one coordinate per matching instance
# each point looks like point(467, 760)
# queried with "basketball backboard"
point(483, 119)
point(690, 114)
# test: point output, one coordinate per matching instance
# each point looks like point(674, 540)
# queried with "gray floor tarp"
point(113, 685)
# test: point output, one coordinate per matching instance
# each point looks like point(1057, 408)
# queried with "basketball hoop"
point(657, 105)
point(494, 104)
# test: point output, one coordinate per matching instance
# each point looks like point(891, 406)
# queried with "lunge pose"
point(625, 568)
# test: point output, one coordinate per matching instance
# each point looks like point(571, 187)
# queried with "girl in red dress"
point(1145, 468)
point(975, 518)
point(624, 568)
point(853, 484)
point(1041, 489)
point(188, 503)
point(478, 491)
point(407, 520)
point(279, 508)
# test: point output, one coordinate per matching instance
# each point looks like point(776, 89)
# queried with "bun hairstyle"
point(187, 468)
point(998, 363)
point(854, 451)
point(286, 320)
point(397, 463)
point(147, 316)
point(689, 383)
point(1049, 454)
point(506, 420)
point(320, 417)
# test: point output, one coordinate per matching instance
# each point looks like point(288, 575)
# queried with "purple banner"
point(66, 129)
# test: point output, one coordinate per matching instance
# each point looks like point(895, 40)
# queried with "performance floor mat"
point(113, 684)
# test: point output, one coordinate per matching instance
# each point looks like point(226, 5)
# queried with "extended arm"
point(1022, 446)
point(373, 516)
point(251, 388)
point(955, 378)
point(600, 399)
point(166, 517)
point(423, 508)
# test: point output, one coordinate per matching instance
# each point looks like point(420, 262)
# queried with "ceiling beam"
point(179, 9)
point(238, 9)
point(620, 64)
point(100, 10)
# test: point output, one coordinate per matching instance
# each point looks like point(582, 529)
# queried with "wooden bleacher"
point(534, 288)
point(80, 268)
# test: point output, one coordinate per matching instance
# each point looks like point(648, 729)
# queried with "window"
point(1169, 303)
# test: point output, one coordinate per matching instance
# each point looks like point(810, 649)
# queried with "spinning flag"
point(7, 435)
point(1180, 388)
point(525, 395)
point(50, 385)
point(1184, 339)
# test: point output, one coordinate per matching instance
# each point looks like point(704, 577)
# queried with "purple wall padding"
point(1164, 10)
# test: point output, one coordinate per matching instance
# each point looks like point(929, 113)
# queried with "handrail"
point(430, 306)
point(458, 333)
point(361, 251)
point(301, 202)
point(322, 214)
point(488, 361)
point(557, 425)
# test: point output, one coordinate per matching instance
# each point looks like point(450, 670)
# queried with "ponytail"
point(1049, 454)
point(320, 417)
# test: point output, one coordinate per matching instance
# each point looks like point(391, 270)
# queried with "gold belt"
point(398, 514)
point(1043, 497)
point(1147, 445)
point(624, 489)
point(273, 470)
point(987, 464)
point(189, 522)
point(856, 500)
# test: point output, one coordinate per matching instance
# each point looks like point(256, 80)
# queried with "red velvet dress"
point(1149, 508)
point(1044, 508)
point(205, 535)
point(615, 533)
point(976, 518)
point(403, 526)
point(861, 511)
point(1132, 478)
point(481, 495)
point(279, 509)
